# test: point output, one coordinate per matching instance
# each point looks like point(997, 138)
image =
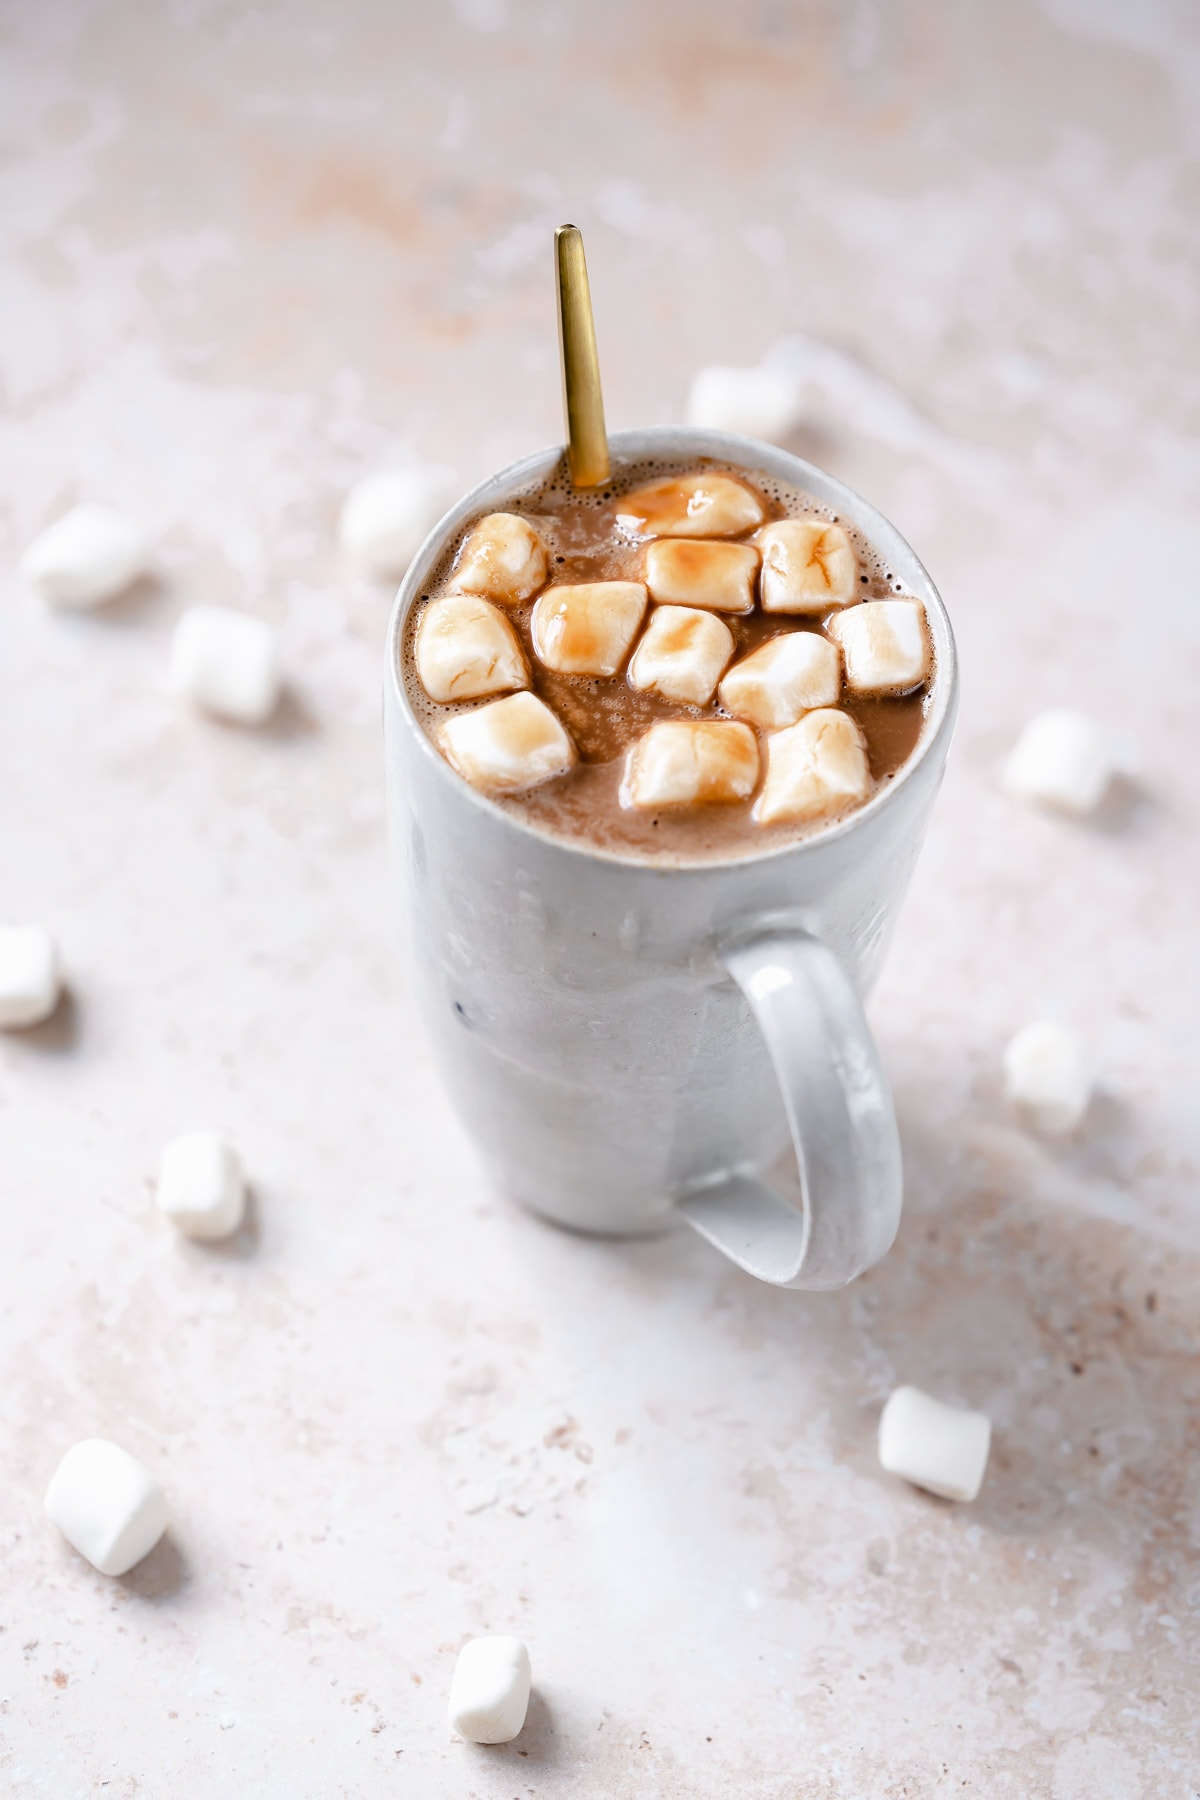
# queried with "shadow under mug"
point(628, 1042)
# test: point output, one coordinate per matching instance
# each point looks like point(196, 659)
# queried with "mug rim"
point(752, 456)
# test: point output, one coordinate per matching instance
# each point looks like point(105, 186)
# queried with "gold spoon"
point(583, 403)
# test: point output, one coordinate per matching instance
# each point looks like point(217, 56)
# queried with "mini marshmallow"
point(106, 1505)
point(587, 629)
point(386, 517)
point(759, 403)
point(1047, 1075)
point(201, 1188)
point(686, 762)
point(88, 556)
point(784, 678)
point(814, 768)
point(691, 506)
point(885, 644)
point(682, 654)
point(502, 558)
point(693, 572)
point(943, 1449)
point(507, 746)
point(227, 663)
point(1062, 759)
point(30, 980)
point(466, 648)
point(489, 1692)
point(808, 566)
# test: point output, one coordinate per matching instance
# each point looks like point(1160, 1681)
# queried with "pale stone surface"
point(253, 253)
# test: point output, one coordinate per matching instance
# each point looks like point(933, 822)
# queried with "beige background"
point(249, 253)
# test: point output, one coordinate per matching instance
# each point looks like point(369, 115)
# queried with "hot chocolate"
point(692, 663)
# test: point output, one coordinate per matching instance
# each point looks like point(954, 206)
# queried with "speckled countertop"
point(252, 252)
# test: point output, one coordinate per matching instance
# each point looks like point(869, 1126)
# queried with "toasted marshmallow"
point(760, 403)
point(691, 506)
point(386, 517)
point(1062, 759)
point(201, 1188)
point(808, 567)
point(691, 762)
point(30, 980)
point(87, 557)
point(489, 1691)
point(508, 745)
point(692, 572)
point(587, 629)
point(466, 648)
point(1048, 1077)
point(885, 644)
point(502, 558)
point(943, 1449)
point(107, 1506)
point(814, 768)
point(682, 654)
point(783, 679)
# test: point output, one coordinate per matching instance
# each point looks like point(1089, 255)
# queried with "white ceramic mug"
point(628, 1042)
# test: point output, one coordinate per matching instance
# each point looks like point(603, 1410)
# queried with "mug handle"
point(839, 1112)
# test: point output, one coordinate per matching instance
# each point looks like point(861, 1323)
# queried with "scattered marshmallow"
point(808, 566)
point(943, 1449)
point(758, 403)
point(106, 1505)
point(226, 662)
point(386, 518)
point(489, 1692)
point(502, 558)
point(682, 654)
point(466, 648)
point(201, 1188)
point(691, 506)
point(784, 678)
point(885, 644)
point(693, 572)
point(1062, 759)
point(92, 554)
point(686, 762)
point(508, 745)
point(1048, 1076)
point(586, 629)
point(814, 768)
point(30, 979)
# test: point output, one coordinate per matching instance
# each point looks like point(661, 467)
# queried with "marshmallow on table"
point(759, 403)
point(227, 663)
point(1062, 759)
point(1047, 1074)
point(386, 517)
point(502, 558)
point(30, 981)
point(808, 566)
point(814, 768)
point(691, 506)
point(106, 1505)
point(885, 645)
point(787, 676)
point(201, 1188)
point(691, 762)
point(88, 556)
point(587, 628)
point(941, 1448)
point(466, 648)
point(681, 654)
point(489, 1691)
point(693, 572)
point(508, 745)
